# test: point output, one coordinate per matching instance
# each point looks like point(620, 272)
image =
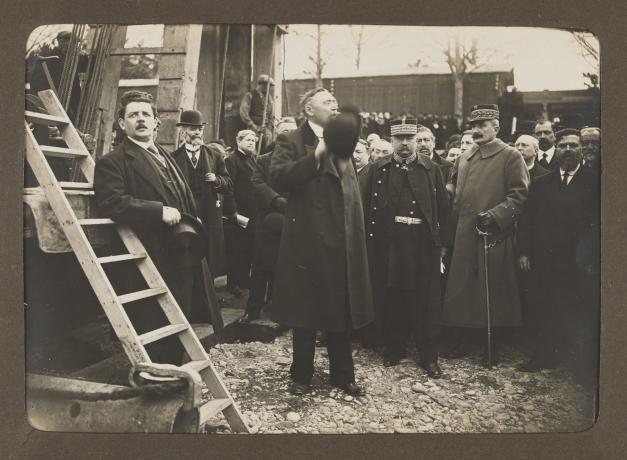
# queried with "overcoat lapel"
point(144, 167)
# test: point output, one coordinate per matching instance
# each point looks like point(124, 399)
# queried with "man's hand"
point(524, 263)
point(321, 150)
point(170, 216)
point(210, 177)
point(485, 220)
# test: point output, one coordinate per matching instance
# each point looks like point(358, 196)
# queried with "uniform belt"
point(407, 220)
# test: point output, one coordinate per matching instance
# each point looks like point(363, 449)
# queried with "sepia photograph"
point(311, 229)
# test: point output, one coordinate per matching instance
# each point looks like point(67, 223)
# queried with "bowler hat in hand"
point(188, 241)
point(342, 132)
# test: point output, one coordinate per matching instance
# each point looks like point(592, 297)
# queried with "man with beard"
point(561, 212)
point(528, 147)
point(322, 280)
point(543, 131)
point(139, 184)
point(240, 201)
point(425, 140)
point(206, 174)
point(407, 230)
point(379, 149)
point(492, 186)
point(251, 110)
point(591, 144)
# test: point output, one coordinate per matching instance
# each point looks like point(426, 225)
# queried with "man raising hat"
point(406, 211)
point(492, 185)
point(204, 169)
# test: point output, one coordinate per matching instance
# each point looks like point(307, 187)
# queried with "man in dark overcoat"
point(322, 280)
point(492, 186)
point(271, 206)
point(240, 201)
point(139, 184)
point(559, 216)
point(204, 169)
point(407, 232)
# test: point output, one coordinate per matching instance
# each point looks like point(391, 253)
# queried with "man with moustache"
point(204, 169)
point(139, 184)
point(322, 281)
point(361, 157)
point(425, 140)
point(591, 145)
point(407, 233)
point(492, 186)
point(543, 131)
point(240, 201)
point(562, 210)
point(528, 147)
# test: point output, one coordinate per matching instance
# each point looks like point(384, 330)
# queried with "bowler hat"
point(341, 132)
point(188, 241)
point(484, 112)
point(191, 118)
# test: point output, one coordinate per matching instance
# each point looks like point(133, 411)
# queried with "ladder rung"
point(45, 119)
point(132, 296)
point(62, 152)
point(79, 192)
point(102, 221)
point(81, 185)
point(197, 366)
point(161, 333)
point(211, 408)
point(120, 258)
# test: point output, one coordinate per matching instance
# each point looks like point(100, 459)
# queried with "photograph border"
point(604, 440)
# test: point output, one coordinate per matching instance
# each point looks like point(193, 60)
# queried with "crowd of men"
point(373, 240)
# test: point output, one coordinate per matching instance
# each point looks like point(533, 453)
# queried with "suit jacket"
point(556, 219)
point(537, 171)
point(241, 200)
point(322, 279)
point(209, 212)
point(444, 165)
point(551, 165)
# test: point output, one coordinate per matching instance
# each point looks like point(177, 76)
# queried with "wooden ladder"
point(200, 368)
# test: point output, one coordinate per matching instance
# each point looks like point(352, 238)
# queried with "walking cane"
point(486, 247)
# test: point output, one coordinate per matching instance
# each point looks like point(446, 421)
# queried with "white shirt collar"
point(316, 128)
point(549, 154)
point(570, 173)
point(529, 168)
point(143, 145)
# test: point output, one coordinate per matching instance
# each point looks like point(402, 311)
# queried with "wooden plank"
point(162, 333)
point(70, 135)
point(133, 296)
point(197, 366)
point(81, 185)
point(45, 119)
point(79, 192)
point(62, 152)
point(101, 221)
point(147, 50)
point(84, 252)
point(211, 409)
point(120, 258)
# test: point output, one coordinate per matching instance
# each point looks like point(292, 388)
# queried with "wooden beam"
point(147, 50)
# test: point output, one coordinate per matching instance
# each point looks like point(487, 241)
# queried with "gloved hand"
point(486, 223)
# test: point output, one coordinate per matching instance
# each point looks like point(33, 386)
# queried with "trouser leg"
point(341, 368)
point(416, 303)
point(257, 292)
point(396, 324)
point(303, 348)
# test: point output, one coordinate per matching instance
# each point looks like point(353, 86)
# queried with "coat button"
point(293, 219)
point(371, 235)
point(379, 182)
point(373, 222)
point(374, 208)
point(413, 202)
point(411, 212)
point(376, 194)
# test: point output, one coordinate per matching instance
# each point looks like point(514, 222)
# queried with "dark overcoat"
point(208, 204)
point(491, 178)
point(267, 240)
point(428, 188)
point(444, 165)
point(322, 279)
point(241, 199)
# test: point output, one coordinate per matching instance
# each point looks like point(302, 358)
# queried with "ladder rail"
point(84, 252)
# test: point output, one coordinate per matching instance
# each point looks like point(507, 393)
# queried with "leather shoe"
point(433, 370)
point(352, 389)
point(390, 361)
point(299, 389)
point(247, 318)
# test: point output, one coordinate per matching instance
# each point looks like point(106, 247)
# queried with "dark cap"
point(484, 112)
point(191, 118)
point(64, 35)
point(264, 78)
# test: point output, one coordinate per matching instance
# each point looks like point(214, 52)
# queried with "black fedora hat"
point(188, 241)
point(191, 118)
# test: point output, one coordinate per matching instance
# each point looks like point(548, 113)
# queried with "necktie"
point(565, 179)
point(152, 149)
point(544, 156)
point(194, 159)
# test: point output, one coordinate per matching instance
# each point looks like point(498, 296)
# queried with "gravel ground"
point(400, 399)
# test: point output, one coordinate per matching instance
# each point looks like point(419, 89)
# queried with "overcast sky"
point(541, 58)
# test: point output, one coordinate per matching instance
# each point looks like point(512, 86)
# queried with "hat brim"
point(191, 124)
